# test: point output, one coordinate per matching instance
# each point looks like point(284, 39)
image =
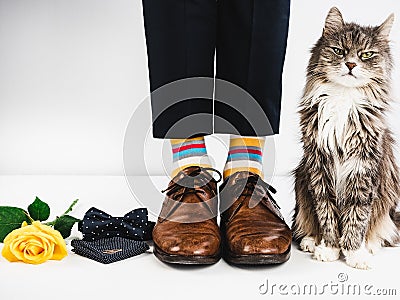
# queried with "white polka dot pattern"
point(109, 250)
point(97, 224)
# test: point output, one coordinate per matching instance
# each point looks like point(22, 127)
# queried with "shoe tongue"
point(193, 172)
point(231, 180)
point(181, 174)
point(244, 174)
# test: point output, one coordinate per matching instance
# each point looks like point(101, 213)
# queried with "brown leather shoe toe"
point(252, 227)
point(187, 231)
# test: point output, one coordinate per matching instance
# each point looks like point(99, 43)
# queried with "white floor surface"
point(142, 277)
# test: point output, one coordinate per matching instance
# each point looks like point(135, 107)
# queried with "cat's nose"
point(351, 65)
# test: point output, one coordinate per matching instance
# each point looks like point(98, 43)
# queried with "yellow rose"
point(34, 244)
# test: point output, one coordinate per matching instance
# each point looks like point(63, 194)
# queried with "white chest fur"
point(336, 104)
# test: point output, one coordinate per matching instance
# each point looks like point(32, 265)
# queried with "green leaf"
point(64, 225)
point(11, 218)
point(39, 210)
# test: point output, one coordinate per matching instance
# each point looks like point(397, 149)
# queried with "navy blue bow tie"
point(97, 224)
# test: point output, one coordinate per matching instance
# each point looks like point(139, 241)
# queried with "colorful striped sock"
point(245, 154)
point(189, 152)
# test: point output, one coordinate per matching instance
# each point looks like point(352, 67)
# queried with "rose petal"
point(60, 251)
point(8, 254)
point(14, 248)
point(34, 244)
point(33, 249)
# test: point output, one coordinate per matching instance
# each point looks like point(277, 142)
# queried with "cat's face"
point(351, 55)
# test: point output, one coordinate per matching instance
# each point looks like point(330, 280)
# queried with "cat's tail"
point(395, 216)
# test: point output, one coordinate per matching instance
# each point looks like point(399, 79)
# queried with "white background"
point(73, 72)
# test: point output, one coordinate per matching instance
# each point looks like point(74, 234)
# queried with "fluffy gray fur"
point(347, 183)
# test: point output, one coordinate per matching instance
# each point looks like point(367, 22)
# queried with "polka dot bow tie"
point(97, 224)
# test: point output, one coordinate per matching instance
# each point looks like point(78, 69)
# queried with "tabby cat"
point(347, 183)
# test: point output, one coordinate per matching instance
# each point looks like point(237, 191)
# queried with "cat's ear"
point(334, 21)
point(384, 29)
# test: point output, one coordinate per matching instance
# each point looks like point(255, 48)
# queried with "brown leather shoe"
point(187, 231)
point(252, 227)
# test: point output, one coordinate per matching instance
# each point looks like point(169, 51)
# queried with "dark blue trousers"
point(249, 40)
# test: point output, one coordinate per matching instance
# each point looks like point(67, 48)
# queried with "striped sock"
point(189, 152)
point(245, 154)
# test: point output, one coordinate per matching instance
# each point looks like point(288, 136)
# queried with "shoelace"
point(249, 186)
point(187, 183)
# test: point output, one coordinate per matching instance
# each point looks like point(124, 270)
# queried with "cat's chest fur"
point(337, 107)
point(339, 111)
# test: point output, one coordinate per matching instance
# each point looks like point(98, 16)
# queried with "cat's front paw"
point(326, 253)
point(373, 246)
point(307, 244)
point(359, 259)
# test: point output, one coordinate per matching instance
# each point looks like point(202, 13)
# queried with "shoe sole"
point(185, 259)
point(256, 259)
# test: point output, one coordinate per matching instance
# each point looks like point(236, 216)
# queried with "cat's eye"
point(338, 51)
point(366, 55)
